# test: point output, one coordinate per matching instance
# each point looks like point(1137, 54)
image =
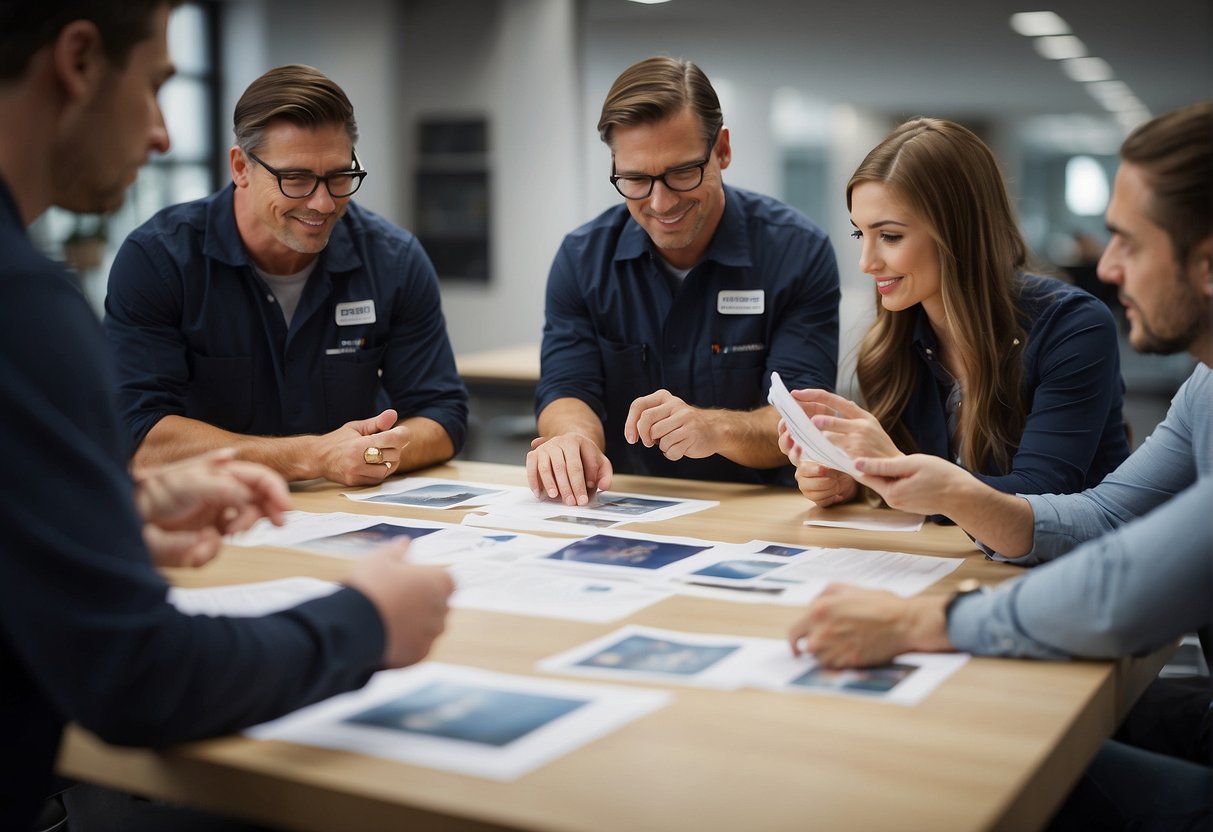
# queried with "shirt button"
point(269, 298)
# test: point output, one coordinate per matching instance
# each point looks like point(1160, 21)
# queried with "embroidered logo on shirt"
point(355, 312)
point(741, 302)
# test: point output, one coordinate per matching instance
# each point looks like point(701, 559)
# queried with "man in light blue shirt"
point(1137, 570)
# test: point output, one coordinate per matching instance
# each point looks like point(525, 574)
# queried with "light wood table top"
point(997, 746)
point(503, 366)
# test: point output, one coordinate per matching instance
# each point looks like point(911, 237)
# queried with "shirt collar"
point(730, 245)
point(222, 240)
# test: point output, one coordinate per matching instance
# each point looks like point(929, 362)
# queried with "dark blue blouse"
point(1075, 432)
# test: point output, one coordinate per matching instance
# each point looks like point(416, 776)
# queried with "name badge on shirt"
point(355, 312)
point(741, 302)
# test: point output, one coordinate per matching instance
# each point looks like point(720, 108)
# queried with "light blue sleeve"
point(1131, 591)
point(1165, 464)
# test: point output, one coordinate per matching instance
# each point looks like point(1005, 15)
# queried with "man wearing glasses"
point(666, 315)
point(279, 318)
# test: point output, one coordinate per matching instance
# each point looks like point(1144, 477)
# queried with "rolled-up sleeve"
point(419, 371)
point(804, 347)
point(143, 325)
point(570, 359)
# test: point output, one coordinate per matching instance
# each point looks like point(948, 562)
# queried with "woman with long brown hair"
point(1015, 377)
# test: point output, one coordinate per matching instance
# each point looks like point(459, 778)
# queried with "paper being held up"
point(813, 443)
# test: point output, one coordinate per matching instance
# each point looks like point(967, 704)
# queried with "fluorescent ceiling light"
point(1039, 24)
point(650, 2)
point(1115, 96)
point(1107, 92)
point(1129, 119)
point(1060, 47)
point(1085, 70)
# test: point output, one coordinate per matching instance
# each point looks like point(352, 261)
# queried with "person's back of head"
point(295, 94)
point(1175, 152)
point(656, 89)
point(27, 27)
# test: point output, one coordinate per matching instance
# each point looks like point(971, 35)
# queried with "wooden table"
point(997, 746)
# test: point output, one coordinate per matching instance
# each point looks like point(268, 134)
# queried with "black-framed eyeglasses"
point(685, 178)
point(300, 184)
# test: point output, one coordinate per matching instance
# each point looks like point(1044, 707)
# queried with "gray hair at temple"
point(658, 88)
point(297, 94)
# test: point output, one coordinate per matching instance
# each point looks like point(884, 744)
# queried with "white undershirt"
point(287, 288)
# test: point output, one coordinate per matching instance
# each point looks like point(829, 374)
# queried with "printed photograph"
point(456, 711)
point(654, 655)
point(781, 551)
point(625, 551)
point(607, 502)
point(867, 680)
point(436, 495)
point(363, 541)
point(738, 570)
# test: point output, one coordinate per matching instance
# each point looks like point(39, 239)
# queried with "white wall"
point(517, 64)
point(358, 51)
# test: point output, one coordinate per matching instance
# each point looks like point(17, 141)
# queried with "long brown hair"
point(948, 177)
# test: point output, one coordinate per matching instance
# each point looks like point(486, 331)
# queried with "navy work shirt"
point(197, 333)
point(86, 633)
point(1075, 432)
point(764, 297)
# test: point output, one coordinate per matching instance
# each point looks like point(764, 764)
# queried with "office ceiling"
point(942, 57)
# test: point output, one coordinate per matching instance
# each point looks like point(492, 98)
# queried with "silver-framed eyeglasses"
point(300, 184)
point(680, 179)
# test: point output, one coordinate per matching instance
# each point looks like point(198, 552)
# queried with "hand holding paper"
point(812, 442)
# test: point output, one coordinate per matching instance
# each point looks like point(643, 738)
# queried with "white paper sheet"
point(896, 572)
point(349, 535)
point(249, 600)
point(669, 656)
point(906, 680)
point(431, 492)
point(813, 443)
point(883, 521)
point(465, 720)
point(559, 524)
point(524, 589)
point(611, 506)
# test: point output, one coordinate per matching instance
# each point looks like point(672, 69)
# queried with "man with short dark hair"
point(86, 632)
point(280, 318)
point(666, 317)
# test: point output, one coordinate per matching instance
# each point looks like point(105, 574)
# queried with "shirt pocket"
point(739, 379)
point(351, 386)
point(625, 370)
point(221, 392)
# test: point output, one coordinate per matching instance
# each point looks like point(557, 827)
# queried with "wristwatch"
point(966, 587)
